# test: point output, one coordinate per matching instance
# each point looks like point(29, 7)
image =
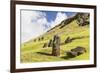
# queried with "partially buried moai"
point(56, 46)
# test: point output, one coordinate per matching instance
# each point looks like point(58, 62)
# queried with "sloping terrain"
point(33, 51)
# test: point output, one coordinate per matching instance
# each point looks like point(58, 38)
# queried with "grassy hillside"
point(33, 51)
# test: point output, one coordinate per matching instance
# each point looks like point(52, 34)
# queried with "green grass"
point(33, 51)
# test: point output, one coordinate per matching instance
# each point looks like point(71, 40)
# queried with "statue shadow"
point(43, 53)
point(67, 57)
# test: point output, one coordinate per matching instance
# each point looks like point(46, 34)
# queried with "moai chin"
point(56, 46)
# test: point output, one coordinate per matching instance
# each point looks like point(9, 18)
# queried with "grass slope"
point(33, 52)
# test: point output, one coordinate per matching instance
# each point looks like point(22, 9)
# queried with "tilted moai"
point(68, 40)
point(56, 46)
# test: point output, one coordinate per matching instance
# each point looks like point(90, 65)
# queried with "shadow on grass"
point(43, 53)
point(47, 54)
point(67, 57)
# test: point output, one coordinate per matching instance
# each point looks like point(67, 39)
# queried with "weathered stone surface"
point(76, 51)
point(71, 54)
point(82, 19)
point(56, 46)
point(79, 50)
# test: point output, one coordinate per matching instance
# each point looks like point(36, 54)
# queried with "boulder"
point(71, 54)
point(76, 51)
point(79, 50)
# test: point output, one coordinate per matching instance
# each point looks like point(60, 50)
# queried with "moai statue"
point(56, 46)
point(68, 40)
point(50, 43)
point(45, 45)
point(34, 40)
point(42, 38)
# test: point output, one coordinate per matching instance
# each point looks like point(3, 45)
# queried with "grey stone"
point(71, 54)
point(56, 46)
point(82, 19)
point(79, 50)
point(76, 51)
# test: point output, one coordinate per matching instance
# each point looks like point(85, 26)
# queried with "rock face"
point(82, 19)
point(56, 46)
point(76, 51)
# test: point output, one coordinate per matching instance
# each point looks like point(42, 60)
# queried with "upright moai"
point(50, 43)
point(42, 38)
point(56, 46)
